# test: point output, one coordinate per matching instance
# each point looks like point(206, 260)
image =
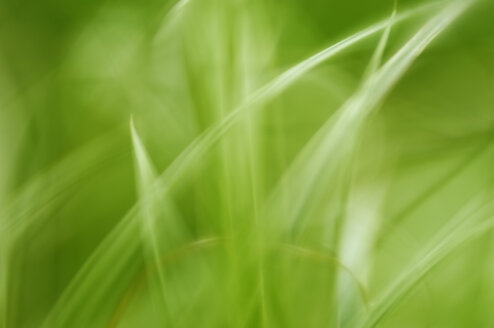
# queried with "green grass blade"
point(458, 230)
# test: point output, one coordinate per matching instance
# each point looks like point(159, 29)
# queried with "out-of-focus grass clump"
point(246, 163)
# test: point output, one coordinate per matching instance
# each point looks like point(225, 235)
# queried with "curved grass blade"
point(336, 140)
point(207, 139)
point(154, 223)
point(93, 291)
point(468, 164)
point(145, 176)
point(459, 229)
point(376, 59)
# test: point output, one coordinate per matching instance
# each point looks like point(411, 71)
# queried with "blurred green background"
point(153, 175)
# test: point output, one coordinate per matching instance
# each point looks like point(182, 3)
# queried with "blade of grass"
point(145, 176)
point(337, 138)
point(465, 165)
point(207, 139)
point(376, 59)
point(116, 258)
point(458, 230)
point(118, 255)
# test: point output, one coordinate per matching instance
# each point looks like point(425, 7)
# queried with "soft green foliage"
point(246, 163)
